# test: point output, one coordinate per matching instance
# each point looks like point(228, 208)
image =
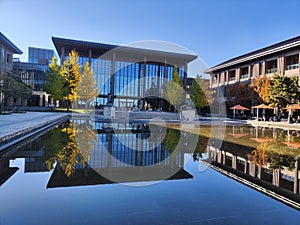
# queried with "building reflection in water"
point(82, 153)
point(85, 153)
point(273, 164)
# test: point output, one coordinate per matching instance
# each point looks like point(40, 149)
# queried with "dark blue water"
point(196, 195)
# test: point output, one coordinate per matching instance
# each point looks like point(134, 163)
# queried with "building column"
point(250, 72)
point(227, 77)
point(252, 169)
point(299, 68)
point(158, 85)
point(211, 80)
point(165, 69)
point(185, 68)
point(233, 162)
point(280, 65)
point(112, 77)
point(224, 158)
point(256, 70)
point(144, 74)
point(41, 100)
point(62, 57)
point(263, 65)
point(219, 156)
point(90, 56)
point(245, 167)
point(1, 59)
point(296, 177)
point(139, 78)
point(276, 177)
point(237, 74)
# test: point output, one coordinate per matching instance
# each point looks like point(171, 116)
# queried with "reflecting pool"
point(85, 172)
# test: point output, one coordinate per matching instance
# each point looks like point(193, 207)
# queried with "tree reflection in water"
point(69, 146)
point(276, 154)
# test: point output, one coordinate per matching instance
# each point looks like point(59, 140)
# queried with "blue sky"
point(215, 30)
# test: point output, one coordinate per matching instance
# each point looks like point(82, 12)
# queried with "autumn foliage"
point(261, 85)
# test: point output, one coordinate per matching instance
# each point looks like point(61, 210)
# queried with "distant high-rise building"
point(33, 73)
point(40, 55)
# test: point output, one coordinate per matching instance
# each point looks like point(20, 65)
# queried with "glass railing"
point(274, 70)
point(231, 78)
point(292, 66)
point(244, 76)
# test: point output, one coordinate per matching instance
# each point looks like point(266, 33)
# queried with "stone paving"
point(16, 123)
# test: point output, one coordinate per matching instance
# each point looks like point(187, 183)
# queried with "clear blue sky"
point(215, 30)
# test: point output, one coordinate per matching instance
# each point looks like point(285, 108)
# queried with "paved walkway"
point(15, 123)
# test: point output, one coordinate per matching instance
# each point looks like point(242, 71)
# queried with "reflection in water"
point(272, 161)
point(83, 153)
point(80, 152)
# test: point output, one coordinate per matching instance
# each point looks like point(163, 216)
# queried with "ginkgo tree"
point(70, 70)
point(87, 89)
point(261, 85)
point(68, 82)
point(174, 91)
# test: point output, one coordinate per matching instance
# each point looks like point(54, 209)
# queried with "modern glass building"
point(131, 76)
point(32, 74)
point(40, 55)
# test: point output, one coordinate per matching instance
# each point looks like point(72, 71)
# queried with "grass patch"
point(81, 111)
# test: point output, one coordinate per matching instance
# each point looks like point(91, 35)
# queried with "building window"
point(244, 72)
point(8, 58)
point(225, 76)
point(271, 66)
point(231, 75)
point(261, 68)
point(291, 62)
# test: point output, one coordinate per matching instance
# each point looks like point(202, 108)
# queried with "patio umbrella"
point(290, 108)
point(261, 106)
point(238, 107)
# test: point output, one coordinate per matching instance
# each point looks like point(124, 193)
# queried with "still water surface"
point(83, 172)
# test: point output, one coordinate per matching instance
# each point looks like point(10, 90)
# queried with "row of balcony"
point(270, 71)
point(292, 66)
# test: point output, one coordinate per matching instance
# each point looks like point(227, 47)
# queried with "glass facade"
point(40, 55)
point(128, 75)
point(130, 82)
point(32, 74)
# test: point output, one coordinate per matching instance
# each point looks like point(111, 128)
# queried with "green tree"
point(261, 85)
point(171, 140)
point(55, 83)
point(200, 93)
point(284, 91)
point(70, 70)
point(174, 92)
point(87, 88)
point(14, 87)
